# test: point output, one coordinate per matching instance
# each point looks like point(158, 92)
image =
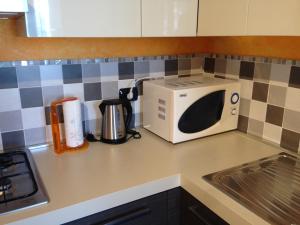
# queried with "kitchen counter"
point(105, 176)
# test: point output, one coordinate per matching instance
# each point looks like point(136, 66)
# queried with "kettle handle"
point(102, 108)
point(126, 104)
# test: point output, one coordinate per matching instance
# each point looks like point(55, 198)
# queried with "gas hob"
point(20, 184)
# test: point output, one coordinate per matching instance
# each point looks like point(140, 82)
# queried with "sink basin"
point(269, 187)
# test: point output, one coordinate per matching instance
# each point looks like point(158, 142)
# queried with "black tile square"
point(126, 70)
point(14, 139)
point(209, 65)
point(72, 74)
point(290, 140)
point(295, 77)
point(59, 111)
point(171, 67)
point(274, 115)
point(247, 70)
point(260, 91)
point(8, 77)
point(92, 91)
point(31, 97)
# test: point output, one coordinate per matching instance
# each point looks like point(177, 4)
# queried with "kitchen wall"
point(28, 87)
point(270, 93)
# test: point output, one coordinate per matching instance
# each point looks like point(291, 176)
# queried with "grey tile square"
point(260, 91)
point(247, 70)
point(59, 112)
point(72, 73)
point(126, 70)
point(294, 80)
point(8, 77)
point(255, 127)
point(1, 145)
point(171, 67)
point(10, 121)
point(51, 75)
point(291, 120)
point(31, 97)
point(141, 69)
point(51, 93)
point(35, 136)
point(243, 123)
point(33, 117)
point(14, 139)
point(109, 90)
point(91, 73)
point(262, 72)
point(9, 96)
point(93, 126)
point(280, 73)
point(220, 66)
point(277, 95)
point(157, 68)
point(184, 66)
point(209, 65)
point(92, 91)
point(197, 63)
point(233, 67)
point(290, 140)
point(109, 71)
point(29, 76)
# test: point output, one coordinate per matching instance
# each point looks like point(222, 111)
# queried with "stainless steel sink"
point(269, 187)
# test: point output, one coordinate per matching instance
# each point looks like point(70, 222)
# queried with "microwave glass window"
point(203, 113)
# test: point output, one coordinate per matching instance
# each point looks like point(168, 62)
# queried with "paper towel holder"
point(60, 146)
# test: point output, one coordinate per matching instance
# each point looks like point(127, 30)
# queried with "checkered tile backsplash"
point(270, 94)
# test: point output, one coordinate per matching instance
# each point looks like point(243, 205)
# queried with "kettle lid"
point(112, 102)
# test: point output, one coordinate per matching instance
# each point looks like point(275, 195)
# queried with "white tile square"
point(272, 133)
point(293, 99)
point(91, 110)
point(1, 145)
point(74, 90)
point(246, 88)
point(258, 110)
point(33, 117)
point(125, 83)
point(10, 99)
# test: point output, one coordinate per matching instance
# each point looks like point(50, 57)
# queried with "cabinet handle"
point(193, 209)
point(120, 219)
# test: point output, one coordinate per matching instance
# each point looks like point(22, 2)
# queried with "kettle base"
point(117, 141)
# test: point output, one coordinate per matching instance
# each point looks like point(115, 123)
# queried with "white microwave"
point(182, 109)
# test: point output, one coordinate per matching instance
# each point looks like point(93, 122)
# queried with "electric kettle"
point(115, 123)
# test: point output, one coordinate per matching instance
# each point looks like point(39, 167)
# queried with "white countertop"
point(105, 176)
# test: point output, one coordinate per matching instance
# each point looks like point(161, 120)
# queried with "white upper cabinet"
point(169, 18)
point(84, 18)
point(274, 17)
point(222, 17)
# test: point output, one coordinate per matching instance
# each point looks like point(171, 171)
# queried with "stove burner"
point(6, 161)
point(5, 184)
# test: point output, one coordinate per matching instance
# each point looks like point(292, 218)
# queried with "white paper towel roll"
point(73, 123)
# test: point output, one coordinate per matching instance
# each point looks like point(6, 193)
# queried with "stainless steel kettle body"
point(114, 123)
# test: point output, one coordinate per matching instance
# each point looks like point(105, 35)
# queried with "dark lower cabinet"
point(173, 207)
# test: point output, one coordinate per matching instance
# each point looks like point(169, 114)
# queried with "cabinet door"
point(84, 18)
point(222, 18)
point(274, 17)
point(169, 18)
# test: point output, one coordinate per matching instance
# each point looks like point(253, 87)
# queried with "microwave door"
point(203, 113)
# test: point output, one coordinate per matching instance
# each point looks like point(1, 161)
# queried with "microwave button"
point(233, 111)
point(235, 98)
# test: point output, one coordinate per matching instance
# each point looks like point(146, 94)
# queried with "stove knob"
point(233, 111)
point(235, 98)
